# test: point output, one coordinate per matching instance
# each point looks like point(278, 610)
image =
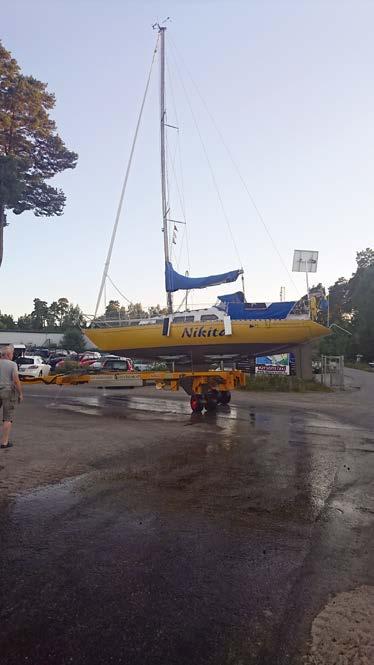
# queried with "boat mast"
point(163, 158)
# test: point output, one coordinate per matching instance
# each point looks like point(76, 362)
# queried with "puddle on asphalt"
point(141, 408)
point(291, 423)
point(50, 500)
point(235, 452)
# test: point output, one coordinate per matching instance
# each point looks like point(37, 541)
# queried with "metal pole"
point(307, 286)
point(163, 158)
point(243, 288)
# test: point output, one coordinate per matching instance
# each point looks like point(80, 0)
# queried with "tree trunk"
point(2, 226)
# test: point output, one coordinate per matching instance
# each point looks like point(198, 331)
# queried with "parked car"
point(97, 364)
point(142, 367)
point(61, 352)
point(157, 366)
point(59, 362)
point(33, 366)
point(39, 351)
point(88, 358)
point(114, 365)
point(58, 358)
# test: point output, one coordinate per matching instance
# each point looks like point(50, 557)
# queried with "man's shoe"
point(8, 445)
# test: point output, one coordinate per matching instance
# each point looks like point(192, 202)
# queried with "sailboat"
point(232, 329)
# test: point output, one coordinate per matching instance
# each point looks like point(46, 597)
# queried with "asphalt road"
point(131, 532)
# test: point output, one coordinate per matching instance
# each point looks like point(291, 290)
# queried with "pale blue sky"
point(289, 84)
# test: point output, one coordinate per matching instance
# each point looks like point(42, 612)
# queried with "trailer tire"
point(196, 403)
point(225, 397)
point(211, 400)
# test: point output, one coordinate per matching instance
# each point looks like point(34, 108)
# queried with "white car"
point(33, 366)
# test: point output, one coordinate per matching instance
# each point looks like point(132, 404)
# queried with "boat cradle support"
point(206, 389)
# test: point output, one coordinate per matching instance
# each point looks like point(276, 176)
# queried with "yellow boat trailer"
point(206, 389)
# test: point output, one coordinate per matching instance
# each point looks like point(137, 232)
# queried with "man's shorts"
point(7, 401)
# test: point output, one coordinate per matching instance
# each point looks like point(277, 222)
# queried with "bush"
point(282, 384)
point(68, 367)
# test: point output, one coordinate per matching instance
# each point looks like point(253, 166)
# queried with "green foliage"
point(25, 322)
point(136, 311)
point(338, 343)
point(157, 311)
point(11, 183)
point(339, 299)
point(352, 308)
point(63, 315)
point(73, 339)
point(39, 314)
point(69, 367)
point(31, 151)
point(365, 258)
point(112, 309)
point(362, 287)
point(7, 322)
point(73, 318)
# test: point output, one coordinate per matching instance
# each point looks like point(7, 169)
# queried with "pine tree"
point(31, 151)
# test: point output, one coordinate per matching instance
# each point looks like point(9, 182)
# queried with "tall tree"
point(31, 151)
point(365, 258)
point(362, 298)
point(112, 309)
point(352, 307)
point(53, 314)
point(73, 339)
point(73, 318)
point(339, 299)
point(39, 315)
point(62, 309)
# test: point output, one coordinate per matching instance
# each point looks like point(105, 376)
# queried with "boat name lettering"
point(202, 332)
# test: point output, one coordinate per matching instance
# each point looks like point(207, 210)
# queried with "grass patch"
point(283, 384)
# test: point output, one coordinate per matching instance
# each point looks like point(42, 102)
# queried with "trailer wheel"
point(225, 397)
point(211, 400)
point(196, 403)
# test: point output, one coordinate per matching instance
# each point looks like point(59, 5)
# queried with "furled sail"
point(175, 282)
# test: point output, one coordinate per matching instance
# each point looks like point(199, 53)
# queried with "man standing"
point(10, 387)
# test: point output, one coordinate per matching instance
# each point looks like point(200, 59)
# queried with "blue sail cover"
point(232, 297)
point(175, 282)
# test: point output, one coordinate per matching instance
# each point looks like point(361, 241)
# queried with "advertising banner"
point(279, 364)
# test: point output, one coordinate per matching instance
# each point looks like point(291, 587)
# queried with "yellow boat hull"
point(198, 340)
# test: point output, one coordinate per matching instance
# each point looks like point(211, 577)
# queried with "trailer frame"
point(206, 389)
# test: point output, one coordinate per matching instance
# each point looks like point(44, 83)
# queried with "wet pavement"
point(145, 535)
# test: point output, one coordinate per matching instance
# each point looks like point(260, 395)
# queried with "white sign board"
point(304, 261)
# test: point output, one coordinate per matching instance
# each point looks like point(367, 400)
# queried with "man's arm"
point(17, 385)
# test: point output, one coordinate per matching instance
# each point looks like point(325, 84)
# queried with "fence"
point(332, 371)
